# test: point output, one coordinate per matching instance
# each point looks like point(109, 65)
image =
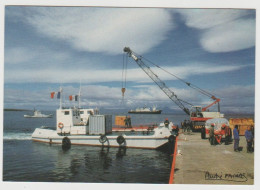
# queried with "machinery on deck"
point(198, 114)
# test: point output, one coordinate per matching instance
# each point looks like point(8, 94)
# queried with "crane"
point(198, 115)
point(158, 81)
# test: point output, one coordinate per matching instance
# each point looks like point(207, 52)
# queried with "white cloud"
point(105, 30)
point(18, 55)
point(208, 18)
point(90, 76)
point(222, 30)
point(233, 36)
point(26, 55)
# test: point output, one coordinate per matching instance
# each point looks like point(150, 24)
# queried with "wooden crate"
point(120, 120)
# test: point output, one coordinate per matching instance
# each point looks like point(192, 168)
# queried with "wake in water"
point(17, 136)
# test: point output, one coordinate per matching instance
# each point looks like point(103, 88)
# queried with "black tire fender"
point(171, 139)
point(102, 139)
point(120, 139)
point(66, 144)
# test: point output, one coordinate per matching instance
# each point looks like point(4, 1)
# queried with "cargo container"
point(120, 120)
point(100, 124)
point(242, 123)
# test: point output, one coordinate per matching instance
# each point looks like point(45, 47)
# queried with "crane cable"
point(124, 72)
point(187, 83)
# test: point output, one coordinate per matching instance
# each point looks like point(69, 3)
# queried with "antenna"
point(79, 93)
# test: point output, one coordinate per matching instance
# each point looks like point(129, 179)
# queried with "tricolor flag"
point(76, 97)
point(58, 95)
point(52, 94)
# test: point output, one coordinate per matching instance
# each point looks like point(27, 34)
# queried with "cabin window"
point(66, 112)
point(81, 112)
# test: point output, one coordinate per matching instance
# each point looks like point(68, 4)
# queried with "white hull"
point(38, 116)
point(144, 142)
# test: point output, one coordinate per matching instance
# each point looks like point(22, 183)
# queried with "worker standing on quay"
point(249, 139)
point(126, 121)
point(185, 126)
point(129, 122)
point(211, 134)
point(166, 123)
point(236, 138)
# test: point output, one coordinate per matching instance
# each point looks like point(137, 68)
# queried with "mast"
point(60, 98)
point(79, 93)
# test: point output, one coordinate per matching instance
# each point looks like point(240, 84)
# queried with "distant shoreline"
point(10, 109)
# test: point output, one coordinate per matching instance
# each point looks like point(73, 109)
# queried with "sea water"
point(28, 161)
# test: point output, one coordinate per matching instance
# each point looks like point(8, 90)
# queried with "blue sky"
point(49, 47)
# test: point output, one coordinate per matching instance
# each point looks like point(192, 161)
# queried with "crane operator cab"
point(196, 111)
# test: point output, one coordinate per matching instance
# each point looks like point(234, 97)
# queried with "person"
point(182, 126)
point(129, 122)
point(126, 121)
point(166, 123)
point(227, 135)
point(189, 126)
point(236, 138)
point(185, 126)
point(211, 134)
point(176, 130)
point(249, 139)
point(253, 133)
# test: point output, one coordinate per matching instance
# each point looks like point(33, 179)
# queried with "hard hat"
point(166, 119)
point(212, 124)
point(224, 125)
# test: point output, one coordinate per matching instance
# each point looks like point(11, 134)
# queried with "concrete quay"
point(198, 162)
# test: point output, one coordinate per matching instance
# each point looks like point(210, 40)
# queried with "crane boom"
point(157, 80)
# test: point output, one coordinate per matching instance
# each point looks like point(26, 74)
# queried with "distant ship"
point(38, 114)
point(145, 110)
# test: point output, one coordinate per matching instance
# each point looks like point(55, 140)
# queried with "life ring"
point(66, 144)
point(103, 139)
point(60, 125)
point(120, 139)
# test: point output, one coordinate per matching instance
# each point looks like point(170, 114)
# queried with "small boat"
point(38, 114)
point(78, 126)
point(145, 110)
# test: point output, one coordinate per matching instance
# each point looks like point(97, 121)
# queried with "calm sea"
point(27, 161)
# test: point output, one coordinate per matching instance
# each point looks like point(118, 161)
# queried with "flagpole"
point(79, 93)
point(60, 98)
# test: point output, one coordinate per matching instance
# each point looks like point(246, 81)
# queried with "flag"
point(52, 94)
point(58, 95)
point(70, 97)
point(76, 97)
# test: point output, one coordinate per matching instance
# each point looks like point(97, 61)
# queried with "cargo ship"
point(145, 110)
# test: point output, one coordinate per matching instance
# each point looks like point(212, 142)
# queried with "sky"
point(51, 47)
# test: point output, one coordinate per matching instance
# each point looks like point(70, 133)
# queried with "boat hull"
point(143, 142)
point(44, 116)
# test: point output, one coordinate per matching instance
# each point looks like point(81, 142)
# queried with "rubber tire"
point(102, 139)
point(66, 144)
point(120, 139)
point(171, 139)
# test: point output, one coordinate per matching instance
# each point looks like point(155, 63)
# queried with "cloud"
point(233, 36)
point(208, 18)
point(35, 55)
point(105, 30)
point(65, 75)
point(222, 30)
